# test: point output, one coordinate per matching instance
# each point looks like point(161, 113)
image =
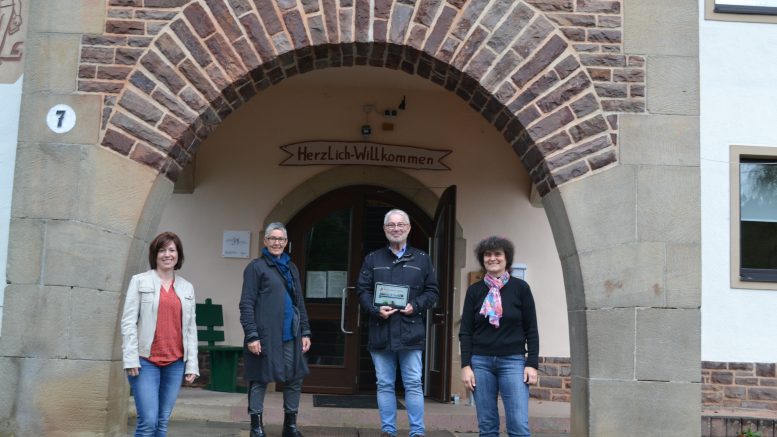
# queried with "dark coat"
point(261, 314)
point(414, 269)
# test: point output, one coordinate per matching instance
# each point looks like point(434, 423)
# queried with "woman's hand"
point(468, 378)
point(190, 377)
point(305, 344)
point(135, 371)
point(530, 375)
point(255, 347)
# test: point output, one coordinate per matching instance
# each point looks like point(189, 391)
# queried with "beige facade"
point(156, 77)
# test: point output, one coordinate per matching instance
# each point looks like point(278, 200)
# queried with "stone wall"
point(739, 385)
point(555, 380)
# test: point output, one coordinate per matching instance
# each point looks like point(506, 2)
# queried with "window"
point(764, 11)
point(753, 217)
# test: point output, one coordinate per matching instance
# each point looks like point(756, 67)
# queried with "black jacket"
point(517, 333)
point(261, 314)
point(414, 269)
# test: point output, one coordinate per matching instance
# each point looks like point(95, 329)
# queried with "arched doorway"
point(603, 215)
point(328, 241)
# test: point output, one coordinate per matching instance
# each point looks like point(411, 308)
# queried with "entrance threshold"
point(195, 404)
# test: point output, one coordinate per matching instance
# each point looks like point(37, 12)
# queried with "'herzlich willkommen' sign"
point(364, 153)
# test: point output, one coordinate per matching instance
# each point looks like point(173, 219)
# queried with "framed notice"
point(394, 296)
point(336, 280)
point(315, 285)
point(236, 244)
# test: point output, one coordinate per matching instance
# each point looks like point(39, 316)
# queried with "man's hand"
point(190, 377)
point(408, 310)
point(305, 344)
point(255, 347)
point(386, 311)
point(134, 371)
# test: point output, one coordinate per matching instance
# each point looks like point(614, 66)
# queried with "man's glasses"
point(276, 239)
point(399, 226)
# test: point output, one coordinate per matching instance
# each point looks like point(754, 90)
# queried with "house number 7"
point(61, 118)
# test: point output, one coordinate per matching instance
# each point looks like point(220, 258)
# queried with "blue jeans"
point(495, 376)
point(155, 389)
point(411, 366)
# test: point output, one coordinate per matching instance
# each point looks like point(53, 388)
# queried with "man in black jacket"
point(397, 284)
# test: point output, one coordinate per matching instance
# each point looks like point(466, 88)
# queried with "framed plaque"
point(391, 295)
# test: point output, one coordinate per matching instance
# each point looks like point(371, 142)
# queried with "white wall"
point(739, 107)
point(239, 180)
point(10, 96)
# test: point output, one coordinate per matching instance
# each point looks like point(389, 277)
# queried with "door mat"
point(349, 401)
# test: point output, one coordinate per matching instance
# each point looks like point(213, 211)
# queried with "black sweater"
point(517, 327)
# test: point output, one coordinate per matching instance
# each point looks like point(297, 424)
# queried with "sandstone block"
point(659, 139)
point(624, 275)
point(668, 345)
point(73, 250)
point(668, 204)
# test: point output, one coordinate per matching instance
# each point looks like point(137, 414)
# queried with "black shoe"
point(290, 425)
point(257, 428)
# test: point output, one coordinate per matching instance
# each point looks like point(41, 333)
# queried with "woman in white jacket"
point(159, 331)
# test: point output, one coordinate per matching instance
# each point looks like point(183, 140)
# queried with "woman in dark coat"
point(273, 345)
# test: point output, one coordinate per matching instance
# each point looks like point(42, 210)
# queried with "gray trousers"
point(291, 389)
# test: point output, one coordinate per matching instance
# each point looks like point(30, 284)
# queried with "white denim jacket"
point(138, 323)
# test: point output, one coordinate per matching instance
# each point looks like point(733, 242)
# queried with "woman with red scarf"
point(499, 341)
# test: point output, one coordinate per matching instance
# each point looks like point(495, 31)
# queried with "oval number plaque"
point(61, 118)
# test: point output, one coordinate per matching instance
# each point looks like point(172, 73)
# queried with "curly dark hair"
point(493, 243)
point(161, 241)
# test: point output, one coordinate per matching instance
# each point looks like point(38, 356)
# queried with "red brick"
point(112, 72)
point(96, 86)
point(117, 141)
point(148, 156)
point(125, 27)
point(97, 55)
point(199, 19)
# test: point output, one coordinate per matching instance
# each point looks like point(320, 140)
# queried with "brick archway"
point(548, 74)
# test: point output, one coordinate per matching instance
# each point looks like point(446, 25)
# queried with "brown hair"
point(493, 243)
point(161, 241)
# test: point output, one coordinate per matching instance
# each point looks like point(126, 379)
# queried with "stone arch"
point(153, 57)
point(515, 63)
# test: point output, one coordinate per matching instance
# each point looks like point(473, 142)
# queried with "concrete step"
point(202, 405)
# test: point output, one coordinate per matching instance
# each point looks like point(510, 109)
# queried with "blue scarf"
point(282, 264)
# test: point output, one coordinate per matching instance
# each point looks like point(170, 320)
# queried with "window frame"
point(751, 14)
point(736, 154)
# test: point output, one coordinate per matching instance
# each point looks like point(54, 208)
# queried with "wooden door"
point(440, 329)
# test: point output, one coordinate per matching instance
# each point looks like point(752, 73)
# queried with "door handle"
point(343, 299)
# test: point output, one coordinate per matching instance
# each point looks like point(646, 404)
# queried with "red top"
point(168, 338)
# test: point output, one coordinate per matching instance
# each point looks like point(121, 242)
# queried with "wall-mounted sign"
point(236, 244)
point(61, 118)
point(364, 153)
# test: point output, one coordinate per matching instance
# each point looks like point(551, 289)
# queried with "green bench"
point(223, 359)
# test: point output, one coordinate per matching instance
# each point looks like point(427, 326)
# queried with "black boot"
point(257, 428)
point(290, 425)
